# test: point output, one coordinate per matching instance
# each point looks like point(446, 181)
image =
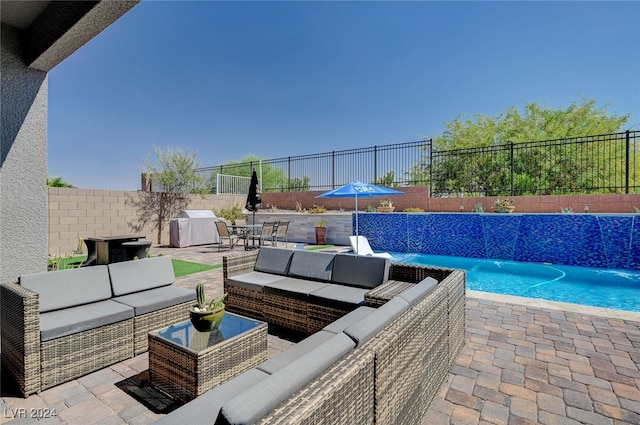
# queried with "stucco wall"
point(83, 213)
point(23, 163)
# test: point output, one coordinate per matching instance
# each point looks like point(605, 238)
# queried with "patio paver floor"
point(524, 362)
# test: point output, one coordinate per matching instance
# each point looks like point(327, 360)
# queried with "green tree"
point(174, 182)
point(57, 182)
point(460, 167)
point(297, 184)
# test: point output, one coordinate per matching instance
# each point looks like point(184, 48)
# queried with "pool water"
point(609, 288)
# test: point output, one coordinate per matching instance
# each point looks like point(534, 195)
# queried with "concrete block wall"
point(83, 213)
point(418, 197)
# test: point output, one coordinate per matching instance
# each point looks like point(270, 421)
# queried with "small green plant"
point(503, 202)
point(65, 262)
point(318, 209)
point(413, 210)
point(637, 210)
point(566, 210)
point(214, 305)
point(479, 207)
point(321, 223)
point(371, 208)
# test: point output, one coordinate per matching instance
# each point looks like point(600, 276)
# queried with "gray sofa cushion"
point(59, 323)
point(366, 328)
point(289, 355)
point(273, 260)
point(294, 286)
point(263, 397)
point(253, 281)
point(155, 299)
point(68, 288)
point(340, 293)
point(348, 319)
point(205, 408)
point(128, 277)
point(360, 271)
point(312, 265)
point(419, 291)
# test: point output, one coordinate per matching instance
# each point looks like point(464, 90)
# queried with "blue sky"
point(274, 79)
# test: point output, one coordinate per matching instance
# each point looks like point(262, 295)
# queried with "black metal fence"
point(608, 163)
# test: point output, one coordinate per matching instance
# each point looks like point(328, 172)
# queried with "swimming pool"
point(609, 288)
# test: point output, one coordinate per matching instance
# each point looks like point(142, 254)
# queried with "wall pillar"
point(23, 162)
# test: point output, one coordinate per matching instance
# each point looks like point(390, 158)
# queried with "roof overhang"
point(53, 30)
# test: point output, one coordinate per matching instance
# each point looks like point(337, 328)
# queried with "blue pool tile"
point(588, 240)
point(501, 232)
point(634, 249)
point(616, 236)
point(569, 239)
point(386, 232)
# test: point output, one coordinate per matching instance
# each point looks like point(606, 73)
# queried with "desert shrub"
point(231, 213)
point(319, 209)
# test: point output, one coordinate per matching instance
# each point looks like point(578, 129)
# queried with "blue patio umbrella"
point(356, 189)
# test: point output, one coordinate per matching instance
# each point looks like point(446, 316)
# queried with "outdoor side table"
point(186, 363)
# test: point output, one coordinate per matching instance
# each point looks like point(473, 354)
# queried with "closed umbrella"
point(356, 189)
point(253, 199)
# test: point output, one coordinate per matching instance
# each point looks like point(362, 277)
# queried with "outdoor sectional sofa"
point(378, 363)
point(57, 326)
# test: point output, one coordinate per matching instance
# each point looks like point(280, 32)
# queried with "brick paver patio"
point(525, 362)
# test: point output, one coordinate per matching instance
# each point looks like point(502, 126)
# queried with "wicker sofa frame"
point(298, 312)
point(391, 378)
point(36, 365)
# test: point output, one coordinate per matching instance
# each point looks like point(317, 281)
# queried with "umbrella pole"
point(357, 230)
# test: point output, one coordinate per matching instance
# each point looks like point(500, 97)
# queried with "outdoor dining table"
point(246, 231)
point(109, 249)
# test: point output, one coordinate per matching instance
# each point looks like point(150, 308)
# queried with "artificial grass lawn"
point(316, 247)
point(181, 267)
point(63, 263)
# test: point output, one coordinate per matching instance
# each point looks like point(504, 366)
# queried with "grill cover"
point(193, 227)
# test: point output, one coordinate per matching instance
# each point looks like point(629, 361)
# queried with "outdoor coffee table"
point(185, 363)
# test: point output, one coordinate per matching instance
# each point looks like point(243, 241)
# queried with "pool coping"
point(556, 305)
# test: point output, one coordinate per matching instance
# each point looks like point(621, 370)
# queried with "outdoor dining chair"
point(281, 232)
point(266, 233)
point(223, 232)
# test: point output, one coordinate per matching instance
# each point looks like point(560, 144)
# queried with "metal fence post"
point(627, 155)
point(512, 166)
point(430, 166)
point(375, 164)
point(333, 169)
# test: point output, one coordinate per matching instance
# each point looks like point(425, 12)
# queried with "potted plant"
point(321, 232)
point(503, 205)
point(206, 316)
point(386, 205)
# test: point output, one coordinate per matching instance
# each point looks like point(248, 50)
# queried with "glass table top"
point(184, 335)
